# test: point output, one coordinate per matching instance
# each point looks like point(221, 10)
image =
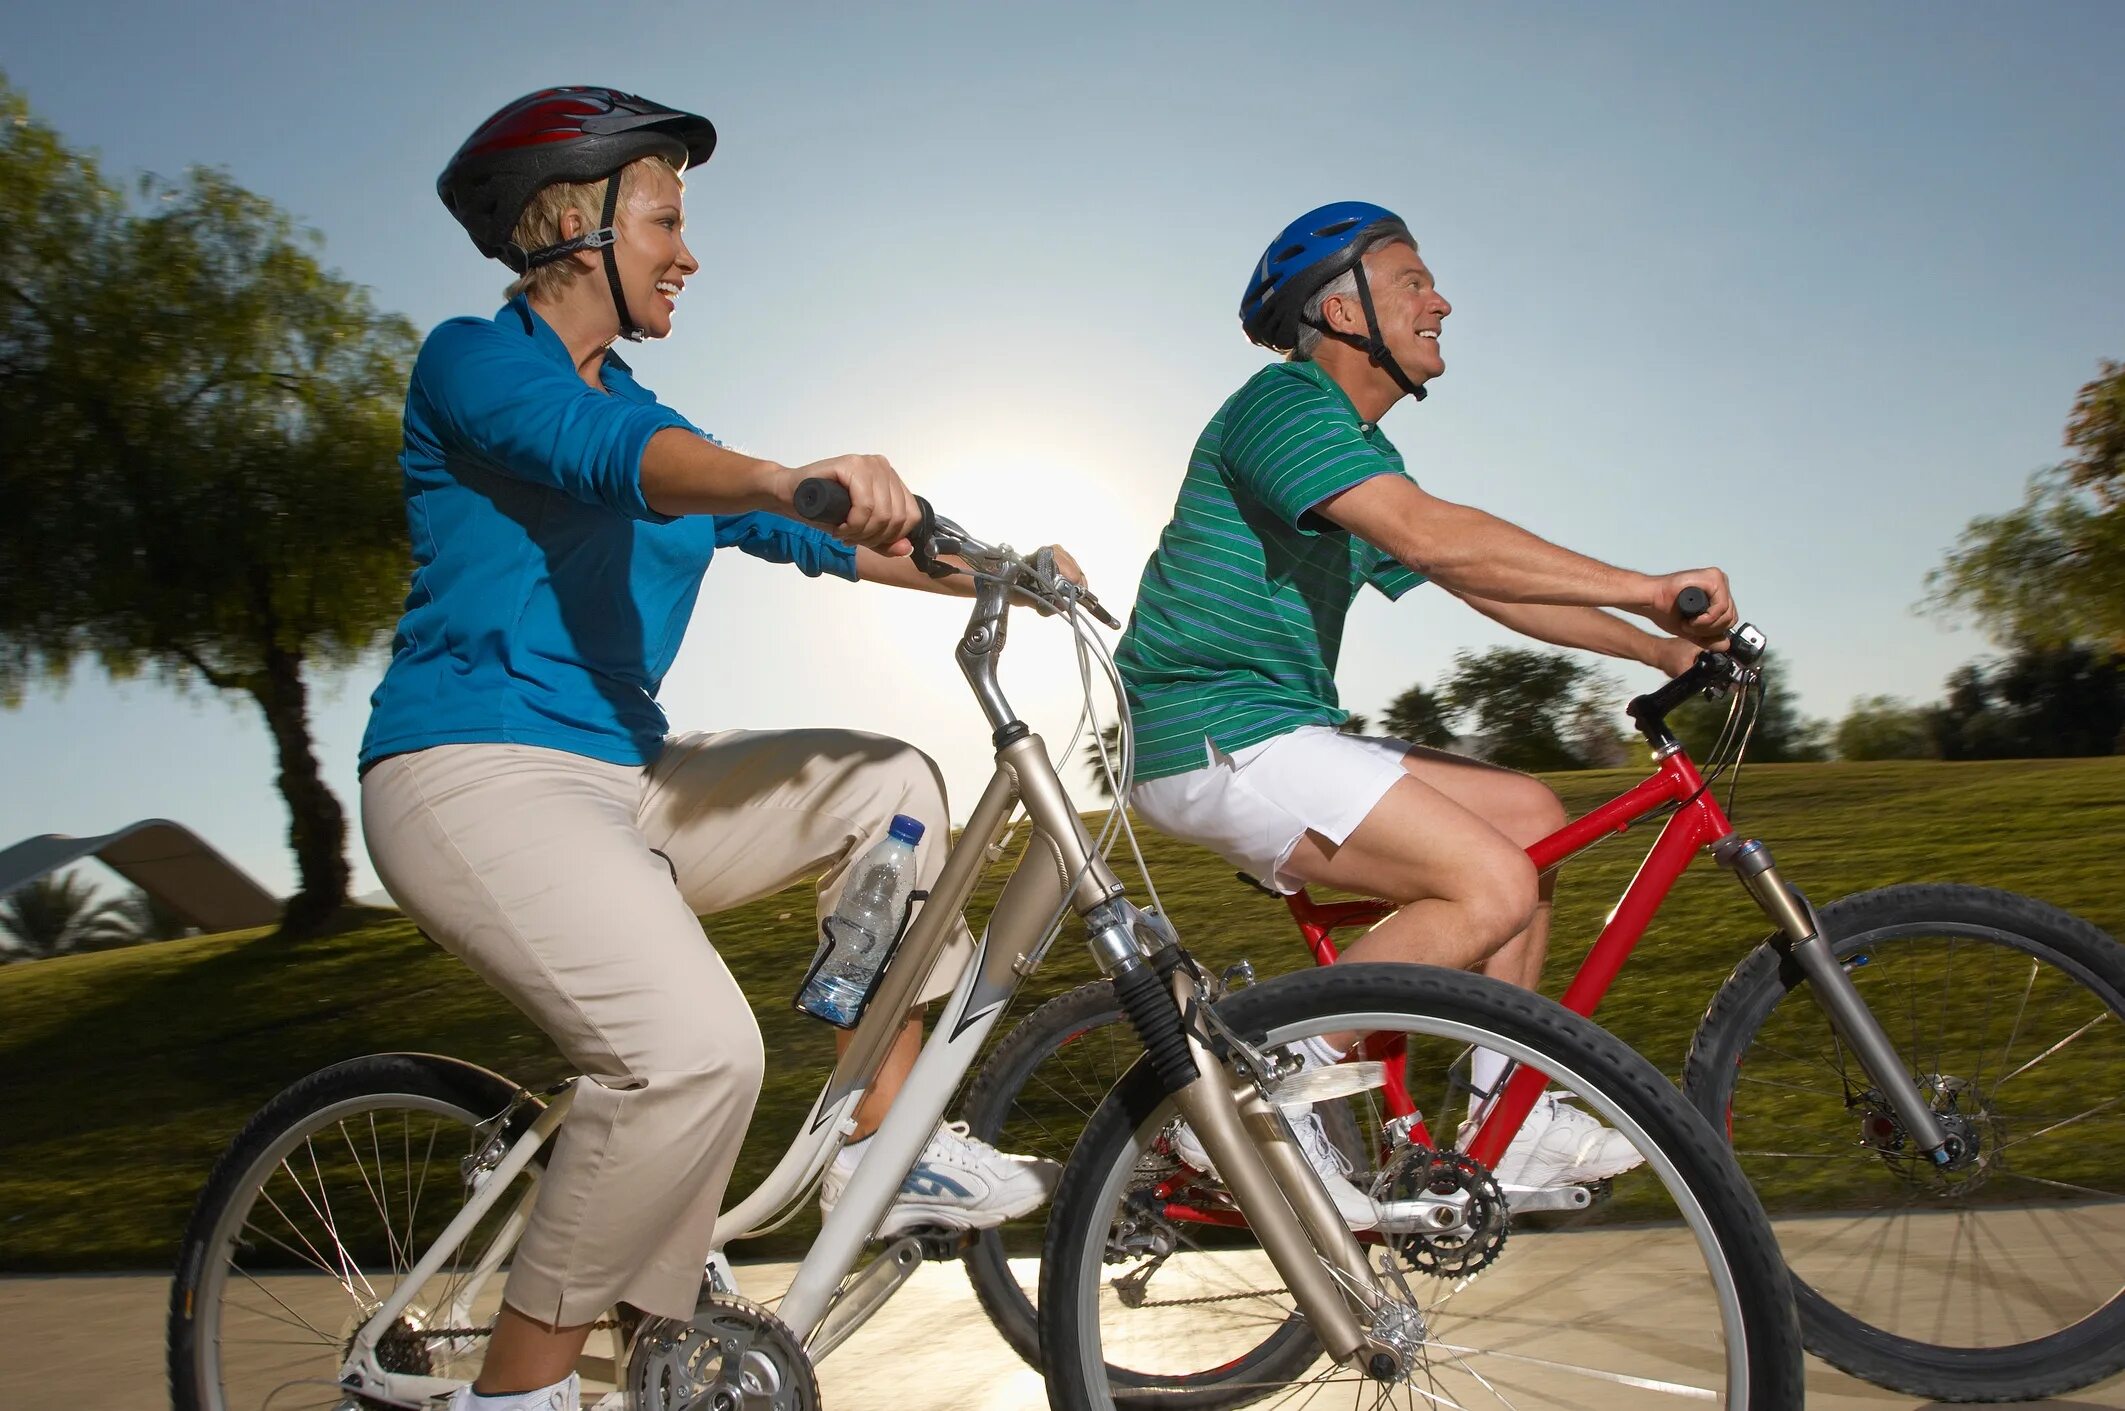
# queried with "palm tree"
point(148, 918)
point(54, 915)
point(1112, 736)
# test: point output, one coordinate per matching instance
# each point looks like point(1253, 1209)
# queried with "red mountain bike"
point(1925, 1084)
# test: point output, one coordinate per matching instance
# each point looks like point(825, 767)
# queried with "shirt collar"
point(519, 314)
point(1313, 371)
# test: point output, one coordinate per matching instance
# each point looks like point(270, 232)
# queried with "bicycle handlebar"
point(826, 502)
point(822, 501)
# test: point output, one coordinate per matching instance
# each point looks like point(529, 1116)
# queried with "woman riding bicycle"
point(520, 796)
point(1293, 501)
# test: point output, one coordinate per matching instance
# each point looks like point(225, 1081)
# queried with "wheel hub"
point(1974, 1134)
point(405, 1347)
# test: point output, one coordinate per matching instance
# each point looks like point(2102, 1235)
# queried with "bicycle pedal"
point(942, 1242)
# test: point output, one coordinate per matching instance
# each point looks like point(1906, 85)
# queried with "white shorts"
point(1251, 807)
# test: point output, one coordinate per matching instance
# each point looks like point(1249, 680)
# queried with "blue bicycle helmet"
point(1309, 254)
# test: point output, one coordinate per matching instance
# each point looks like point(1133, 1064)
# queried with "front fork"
point(1251, 1145)
point(1801, 938)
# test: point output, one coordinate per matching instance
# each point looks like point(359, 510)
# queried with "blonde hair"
point(540, 225)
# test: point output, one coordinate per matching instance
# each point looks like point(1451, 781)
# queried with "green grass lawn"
point(126, 1072)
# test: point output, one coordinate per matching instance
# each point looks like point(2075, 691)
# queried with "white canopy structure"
point(166, 860)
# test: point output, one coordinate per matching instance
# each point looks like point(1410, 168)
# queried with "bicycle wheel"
point(1033, 1096)
point(1669, 1288)
point(2003, 1279)
point(314, 1214)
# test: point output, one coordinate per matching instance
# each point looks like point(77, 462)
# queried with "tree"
point(201, 424)
point(1522, 701)
point(2038, 703)
point(1354, 724)
point(1883, 727)
point(2052, 571)
point(1782, 735)
point(57, 914)
point(1420, 717)
point(2095, 433)
point(147, 918)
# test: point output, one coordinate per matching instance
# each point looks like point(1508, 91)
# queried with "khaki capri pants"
point(573, 886)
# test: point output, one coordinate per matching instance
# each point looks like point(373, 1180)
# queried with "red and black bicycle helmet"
point(559, 134)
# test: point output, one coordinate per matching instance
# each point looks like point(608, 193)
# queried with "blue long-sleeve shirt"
point(548, 598)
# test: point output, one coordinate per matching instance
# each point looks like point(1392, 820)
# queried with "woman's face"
point(651, 251)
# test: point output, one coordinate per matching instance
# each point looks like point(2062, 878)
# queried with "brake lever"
point(1092, 605)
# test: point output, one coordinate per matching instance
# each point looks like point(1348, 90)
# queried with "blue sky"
point(1796, 291)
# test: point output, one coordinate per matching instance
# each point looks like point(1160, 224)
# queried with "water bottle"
point(863, 927)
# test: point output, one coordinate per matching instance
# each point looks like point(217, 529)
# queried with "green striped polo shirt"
point(1239, 617)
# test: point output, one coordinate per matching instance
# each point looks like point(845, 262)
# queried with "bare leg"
point(525, 1354)
point(899, 1062)
point(1448, 842)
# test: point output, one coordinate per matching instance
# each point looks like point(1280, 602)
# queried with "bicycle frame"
point(1697, 824)
point(1060, 871)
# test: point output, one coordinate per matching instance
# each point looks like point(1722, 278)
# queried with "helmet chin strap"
point(1371, 344)
point(628, 328)
point(602, 239)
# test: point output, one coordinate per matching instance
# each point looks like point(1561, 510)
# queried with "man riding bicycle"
point(521, 798)
point(1294, 499)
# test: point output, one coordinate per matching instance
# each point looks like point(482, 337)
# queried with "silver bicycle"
point(349, 1248)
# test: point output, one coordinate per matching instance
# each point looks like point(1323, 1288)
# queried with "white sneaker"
point(1558, 1145)
point(959, 1182)
point(561, 1396)
point(1327, 1160)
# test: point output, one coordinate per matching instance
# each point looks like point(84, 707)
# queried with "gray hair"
point(1344, 285)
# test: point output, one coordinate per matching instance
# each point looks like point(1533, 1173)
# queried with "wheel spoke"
point(1665, 1388)
point(2063, 1122)
point(294, 1265)
point(2055, 1048)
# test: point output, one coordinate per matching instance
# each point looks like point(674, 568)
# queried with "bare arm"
point(683, 473)
point(1478, 555)
point(874, 567)
point(1588, 629)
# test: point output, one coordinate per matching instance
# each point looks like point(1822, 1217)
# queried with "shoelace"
point(1313, 1140)
point(956, 1139)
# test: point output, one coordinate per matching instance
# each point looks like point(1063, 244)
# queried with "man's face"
point(1408, 306)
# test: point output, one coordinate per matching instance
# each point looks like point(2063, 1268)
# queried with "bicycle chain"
point(1207, 1298)
point(426, 1333)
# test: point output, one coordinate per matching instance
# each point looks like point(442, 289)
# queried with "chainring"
point(1452, 1254)
point(733, 1356)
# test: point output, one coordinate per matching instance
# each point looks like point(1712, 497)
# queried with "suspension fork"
point(1800, 938)
point(1250, 1142)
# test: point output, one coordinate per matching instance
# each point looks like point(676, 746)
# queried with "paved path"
point(96, 1344)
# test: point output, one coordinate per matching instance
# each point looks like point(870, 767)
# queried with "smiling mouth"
point(668, 289)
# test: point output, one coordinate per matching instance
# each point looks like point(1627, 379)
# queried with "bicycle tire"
point(1760, 1363)
point(1871, 925)
point(992, 1102)
point(998, 1111)
point(446, 1089)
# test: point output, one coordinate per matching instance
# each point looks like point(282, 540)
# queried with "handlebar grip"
point(1692, 602)
point(822, 501)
